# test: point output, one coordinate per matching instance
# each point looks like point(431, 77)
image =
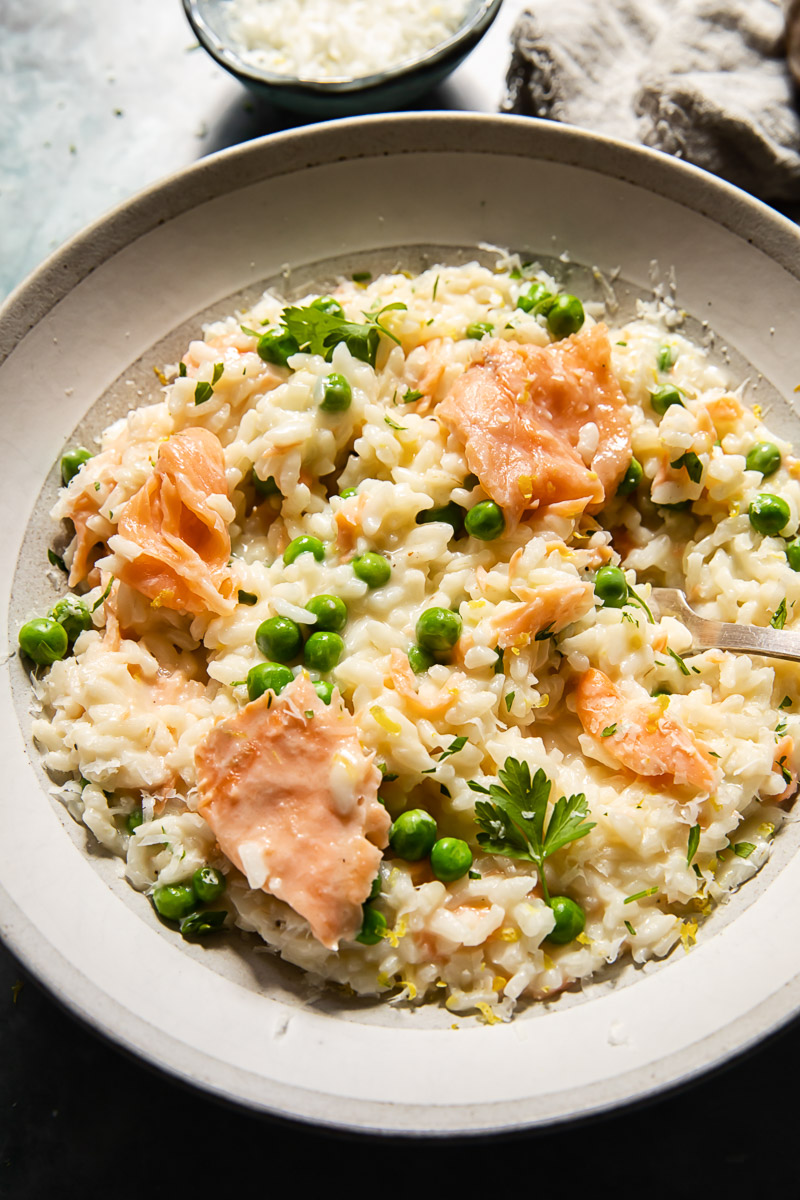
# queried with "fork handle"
point(752, 639)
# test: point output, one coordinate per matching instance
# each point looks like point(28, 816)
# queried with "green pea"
point(764, 457)
point(327, 304)
point(535, 295)
point(793, 554)
point(324, 690)
point(346, 493)
point(330, 611)
point(450, 859)
point(303, 545)
point(44, 640)
point(373, 927)
point(570, 920)
point(73, 613)
point(450, 513)
point(485, 521)
point(420, 660)
point(631, 479)
point(72, 461)
point(208, 883)
point(266, 487)
point(174, 900)
point(323, 651)
point(664, 397)
point(267, 677)
point(372, 568)
point(479, 329)
point(768, 514)
point(277, 346)
point(438, 629)
point(198, 924)
point(412, 835)
point(565, 316)
point(279, 639)
point(134, 820)
point(337, 395)
point(611, 587)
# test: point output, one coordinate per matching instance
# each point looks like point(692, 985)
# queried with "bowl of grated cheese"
point(340, 57)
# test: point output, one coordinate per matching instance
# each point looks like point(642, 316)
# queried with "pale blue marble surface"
point(99, 98)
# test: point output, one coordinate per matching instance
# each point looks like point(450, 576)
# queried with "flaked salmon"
point(183, 540)
point(640, 735)
point(292, 800)
point(545, 609)
point(543, 427)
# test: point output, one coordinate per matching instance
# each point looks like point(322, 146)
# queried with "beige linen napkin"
point(705, 80)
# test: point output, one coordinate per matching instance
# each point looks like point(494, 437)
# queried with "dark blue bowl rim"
point(455, 47)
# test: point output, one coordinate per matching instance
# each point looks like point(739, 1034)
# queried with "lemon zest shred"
point(757, 410)
point(381, 717)
point(584, 939)
point(486, 1014)
point(400, 930)
point(688, 934)
point(451, 1002)
point(766, 829)
point(383, 979)
point(498, 983)
point(542, 702)
point(507, 934)
point(525, 483)
point(410, 987)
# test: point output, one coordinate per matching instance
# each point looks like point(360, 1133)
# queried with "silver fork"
point(706, 634)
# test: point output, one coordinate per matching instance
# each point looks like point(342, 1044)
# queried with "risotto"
point(361, 656)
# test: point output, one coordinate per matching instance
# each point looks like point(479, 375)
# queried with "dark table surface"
point(96, 101)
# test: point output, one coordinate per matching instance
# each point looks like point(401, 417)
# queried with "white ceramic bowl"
point(82, 336)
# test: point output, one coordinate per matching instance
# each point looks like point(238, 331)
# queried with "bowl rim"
point(291, 152)
point(459, 43)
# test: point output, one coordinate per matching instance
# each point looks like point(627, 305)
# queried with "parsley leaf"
point(785, 772)
point(694, 842)
point(319, 332)
point(778, 619)
point(182, 370)
point(785, 702)
point(694, 468)
point(609, 730)
point(743, 849)
point(499, 666)
point(56, 560)
point(393, 425)
point(411, 396)
point(509, 699)
point(218, 369)
point(545, 633)
point(630, 928)
point(513, 824)
point(203, 392)
point(247, 597)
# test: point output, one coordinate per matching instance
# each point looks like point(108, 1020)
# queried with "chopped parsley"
point(361, 276)
point(694, 468)
point(785, 772)
point(104, 596)
point(203, 392)
point(445, 791)
point(182, 370)
point(609, 730)
point(513, 823)
point(640, 895)
point(218, 369)
point(630, 929)
point(393, 425)
point(475, 875)
point(435, 288)
point(683, 667)
point(778, 619)
point(694, 842)
point(499, 666)
point(56, 560)
point(781, 727)
point(477, 787)
point(545, 633)
point(457, 744)
point(785, 702)
point(388, 776)
point(309, 714)
point(743, 849)
point(509, 699)
point(247, 597)
point(411, 396)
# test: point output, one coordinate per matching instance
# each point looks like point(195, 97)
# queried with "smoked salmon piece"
point(184, 542)
point(550, 607)
point(520, 412)
point(292, 800)
point(642, 737)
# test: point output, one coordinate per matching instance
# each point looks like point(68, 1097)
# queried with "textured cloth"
point(705, 80)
